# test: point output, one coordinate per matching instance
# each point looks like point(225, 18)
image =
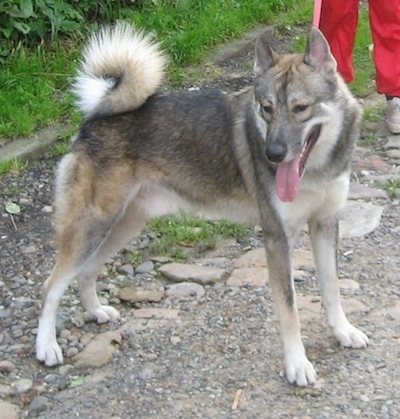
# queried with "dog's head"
point(292, 96)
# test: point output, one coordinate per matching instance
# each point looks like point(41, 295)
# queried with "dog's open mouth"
point(288, 174)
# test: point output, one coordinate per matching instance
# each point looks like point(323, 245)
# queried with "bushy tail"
point(120, 69)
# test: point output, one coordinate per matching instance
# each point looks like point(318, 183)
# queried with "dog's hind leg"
point(324, 241)
point(47, 348)
point(89, 207)
point(83, 247)
point(127, 226)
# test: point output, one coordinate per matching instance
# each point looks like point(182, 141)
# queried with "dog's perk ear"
point(265, 56)
point(318, 53)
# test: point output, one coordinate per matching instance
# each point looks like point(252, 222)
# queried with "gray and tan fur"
point(277, 154)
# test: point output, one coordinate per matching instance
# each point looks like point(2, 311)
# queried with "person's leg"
point(385, 29)
point(338, 22)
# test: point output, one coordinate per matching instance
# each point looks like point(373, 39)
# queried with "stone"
point(160, 259)
point(359, 219)
point(134, 296)
point(8, 410)
point(145, 267)
point(217, 262)
point(393, 154)
point(6, 390)
point(28, 250)
point(38, 404)
point(349, 284)
point(256, 277)
point(7, 366)
point(156, 313)
point(185, 289)
point(183, 272)
point(23, 385)
point(393, 141)
point(126, 269)
point(302, 258)
point(99, 351)
point(253, 259)
point(361, 191)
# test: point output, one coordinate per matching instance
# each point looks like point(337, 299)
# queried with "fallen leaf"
point(77, 382)
point(13, 208)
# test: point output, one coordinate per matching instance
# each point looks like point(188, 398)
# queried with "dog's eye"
point(300, 108)
point(267, 109)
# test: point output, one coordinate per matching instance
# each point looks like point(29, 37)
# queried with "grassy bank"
point(34, 81)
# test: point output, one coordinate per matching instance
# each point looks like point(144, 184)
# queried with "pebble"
point(72, 352)
point(23, 385)
point(184, 272)
point(7, 366)
point(38, 404)
point(185, 289)
point(134, 295)
point(145, 267)
point(8, 410)
point(126, 269)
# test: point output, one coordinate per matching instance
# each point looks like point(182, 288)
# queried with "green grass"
point(34, 82)
point(392, 188)
point(15, 166)
point(34, 89)
point(180, 232)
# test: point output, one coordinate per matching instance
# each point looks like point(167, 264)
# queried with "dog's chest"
point(315, 200)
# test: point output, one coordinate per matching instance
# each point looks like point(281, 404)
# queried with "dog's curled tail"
point(120, 69)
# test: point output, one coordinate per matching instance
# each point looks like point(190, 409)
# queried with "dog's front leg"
point(299, 369)
point(324, 240)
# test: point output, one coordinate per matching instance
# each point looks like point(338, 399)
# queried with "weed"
point(136, 258)
point(62, 146)
point(14, 166)
point(392, 187)
point(180, 232)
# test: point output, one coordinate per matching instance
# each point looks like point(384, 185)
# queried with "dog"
point(275, 154)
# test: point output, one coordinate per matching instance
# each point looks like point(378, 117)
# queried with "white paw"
point(350, 337)
point(299, 370)
point(104, 314)
point(49, 353)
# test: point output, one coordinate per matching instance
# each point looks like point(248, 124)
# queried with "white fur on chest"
point(315, 200)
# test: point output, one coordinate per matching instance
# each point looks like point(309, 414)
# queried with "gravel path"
point(206, 347)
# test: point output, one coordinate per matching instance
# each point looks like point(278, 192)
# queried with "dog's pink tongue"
point(287, 180)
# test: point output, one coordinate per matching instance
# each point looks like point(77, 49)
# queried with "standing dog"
point(277, 154)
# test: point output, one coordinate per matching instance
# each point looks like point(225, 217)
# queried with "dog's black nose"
point(276, 152)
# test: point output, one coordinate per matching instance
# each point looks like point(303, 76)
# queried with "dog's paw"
point(351, 337)
point(300, 371)
point(50, 354)
point(104, 314)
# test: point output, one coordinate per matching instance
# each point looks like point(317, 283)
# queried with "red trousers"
point(338, 22)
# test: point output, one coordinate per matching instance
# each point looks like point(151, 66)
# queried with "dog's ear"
point(265, 56)
point(318, 53)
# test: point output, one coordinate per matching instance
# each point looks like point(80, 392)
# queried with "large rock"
point(181, 272)
point(359, 219)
